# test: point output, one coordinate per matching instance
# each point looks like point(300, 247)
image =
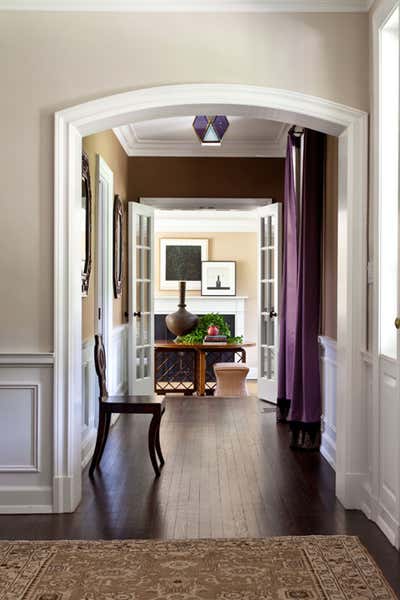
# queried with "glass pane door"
point(141, 313)
point(269, 295)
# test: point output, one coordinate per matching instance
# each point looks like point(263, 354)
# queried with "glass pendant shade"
point(210, 130)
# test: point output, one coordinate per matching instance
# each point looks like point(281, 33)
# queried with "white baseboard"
point(376, 512)
point(25, 500)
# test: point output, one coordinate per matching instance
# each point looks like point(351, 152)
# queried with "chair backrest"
point(100, 364)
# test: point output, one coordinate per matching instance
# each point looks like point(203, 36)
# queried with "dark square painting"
point(183, 263)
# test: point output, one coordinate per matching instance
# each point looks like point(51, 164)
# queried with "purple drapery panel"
point(288, 308)
point(303, 399)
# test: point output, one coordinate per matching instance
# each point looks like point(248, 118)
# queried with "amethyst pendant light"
point(181, 321)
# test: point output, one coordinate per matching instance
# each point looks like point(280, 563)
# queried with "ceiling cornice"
point(258, 6)
point(135, 146)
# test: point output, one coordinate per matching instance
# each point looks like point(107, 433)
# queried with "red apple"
point(213, 330)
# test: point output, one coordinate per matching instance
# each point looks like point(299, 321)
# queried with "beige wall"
point(109, 148)
point(49, 61)
point(241, 247)
point(330, 241)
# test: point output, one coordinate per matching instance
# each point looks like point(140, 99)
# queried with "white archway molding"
point(242, 100)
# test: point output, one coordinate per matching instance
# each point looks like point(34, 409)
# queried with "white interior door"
point(269, 283)
point(141, 299)
point(387, 359)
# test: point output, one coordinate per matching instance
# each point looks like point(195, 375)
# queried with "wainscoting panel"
point(26, 438)
point(389, 452)
point(118, 361)
point(89, 403)
point(328, 383)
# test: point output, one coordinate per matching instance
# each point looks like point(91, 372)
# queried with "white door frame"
point(349, 124)
point(104, 252)
point(375, 509)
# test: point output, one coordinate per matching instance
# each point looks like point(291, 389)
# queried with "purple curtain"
point(288, 308)
point(299, 389)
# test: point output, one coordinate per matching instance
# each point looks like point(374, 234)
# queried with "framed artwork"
point(180, 260)
point(117, 254)
point(218, 278)
point(86, 226)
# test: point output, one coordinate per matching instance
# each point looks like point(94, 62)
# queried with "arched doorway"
point(348, 124)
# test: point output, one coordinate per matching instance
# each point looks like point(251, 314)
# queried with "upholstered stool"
point(231, 379)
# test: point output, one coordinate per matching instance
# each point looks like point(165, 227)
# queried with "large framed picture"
point(180, 260)
point(218, 278)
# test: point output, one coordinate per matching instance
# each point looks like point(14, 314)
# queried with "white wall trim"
point(33, 359)
point(258, 6)
point(34, 466)
point(135, 146)
point(206, 221)
point(258, 102)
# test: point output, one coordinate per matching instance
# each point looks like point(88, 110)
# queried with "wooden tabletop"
point(208, 346)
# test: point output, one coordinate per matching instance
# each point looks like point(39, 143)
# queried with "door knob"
point(136, 314)
point(397, 322)
point(272, 313)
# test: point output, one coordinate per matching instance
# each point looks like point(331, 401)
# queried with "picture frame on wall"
point(181, 260)
point(218, 278)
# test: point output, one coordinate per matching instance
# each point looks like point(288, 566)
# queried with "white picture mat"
point(227, 273)
point(174, 284)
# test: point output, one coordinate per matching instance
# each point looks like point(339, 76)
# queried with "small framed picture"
point(180, 260)
point(218, 278)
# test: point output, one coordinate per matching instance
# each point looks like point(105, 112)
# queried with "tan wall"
point(109, 148)
point(330, 241)
point(50, 61)
point(241, 247)
point(206, 177)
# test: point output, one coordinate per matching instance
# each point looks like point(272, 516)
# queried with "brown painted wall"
point(206, 177)
point(109, 148)
point(330, 241)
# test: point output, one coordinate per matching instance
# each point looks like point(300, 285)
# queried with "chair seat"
point(145, 404)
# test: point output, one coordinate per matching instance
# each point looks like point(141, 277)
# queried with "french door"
point(141, 299)
point(269, 282)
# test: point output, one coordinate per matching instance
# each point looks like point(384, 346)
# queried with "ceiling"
point(190, 5)
point(174, 136)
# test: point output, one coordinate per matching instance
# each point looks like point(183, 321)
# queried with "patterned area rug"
point(287, 568)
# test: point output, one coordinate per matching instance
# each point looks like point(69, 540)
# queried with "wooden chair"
point(108, 405)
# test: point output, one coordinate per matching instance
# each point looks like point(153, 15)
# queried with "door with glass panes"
point(269, 283)
point(141, 303)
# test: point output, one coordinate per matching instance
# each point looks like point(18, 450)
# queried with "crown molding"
point(257, 6)
point(135, 146)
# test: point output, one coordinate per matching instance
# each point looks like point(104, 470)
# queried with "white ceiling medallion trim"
point(136, 146)
point(257, 6)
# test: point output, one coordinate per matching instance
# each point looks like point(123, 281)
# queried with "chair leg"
point(154, 425)
point(105, 436)
point(158, 445)
point(99, 441)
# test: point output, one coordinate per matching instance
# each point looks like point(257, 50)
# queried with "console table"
point(188, 368)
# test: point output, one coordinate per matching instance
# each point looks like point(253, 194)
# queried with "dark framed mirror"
point(86, 225)
point(118, 229)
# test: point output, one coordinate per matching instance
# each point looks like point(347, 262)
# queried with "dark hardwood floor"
point(228, 473)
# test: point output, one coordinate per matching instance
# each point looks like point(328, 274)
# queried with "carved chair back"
point(100, 364)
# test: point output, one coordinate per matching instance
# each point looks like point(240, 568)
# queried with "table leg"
point(201, 373)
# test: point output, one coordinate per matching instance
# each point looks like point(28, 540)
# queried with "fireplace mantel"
point(225, 305)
